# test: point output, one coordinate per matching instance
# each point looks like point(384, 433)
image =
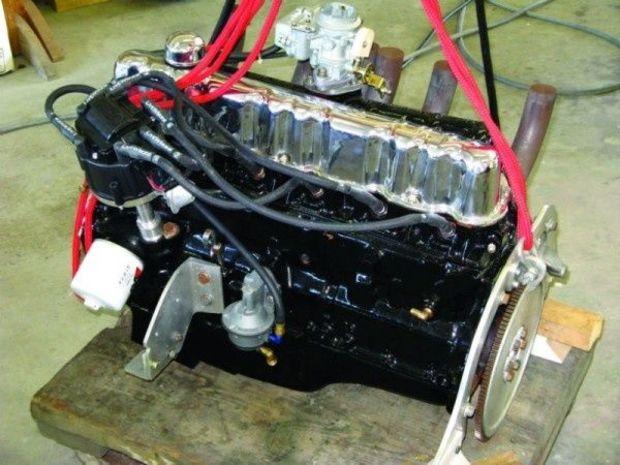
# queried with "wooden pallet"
point(209, 416)
point(64, 5)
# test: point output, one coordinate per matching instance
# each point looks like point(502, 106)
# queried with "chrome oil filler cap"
point(184, 49)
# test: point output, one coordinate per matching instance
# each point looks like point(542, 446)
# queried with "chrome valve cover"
point(411, 165)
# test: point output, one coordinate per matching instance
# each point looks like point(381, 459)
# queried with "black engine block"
point(394, 309)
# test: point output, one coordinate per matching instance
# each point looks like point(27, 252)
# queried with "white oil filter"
point(105, 277)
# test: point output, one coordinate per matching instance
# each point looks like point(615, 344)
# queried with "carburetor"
point(335, 43)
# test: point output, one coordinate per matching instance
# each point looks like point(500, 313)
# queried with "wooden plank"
point(507, 458)
point(33, 50)
point(569, 325)
point(13, 8)
point(206, 415)
point(43, 31)
point(64, 5)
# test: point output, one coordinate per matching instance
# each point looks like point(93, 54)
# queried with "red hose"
point(508, 159)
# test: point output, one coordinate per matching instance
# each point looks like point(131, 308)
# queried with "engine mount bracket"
point(194, 287)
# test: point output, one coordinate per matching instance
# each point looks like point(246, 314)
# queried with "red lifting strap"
point(508, 159)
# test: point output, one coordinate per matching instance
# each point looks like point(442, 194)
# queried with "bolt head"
point(170, 230)
point(204, 278)
point(469, 410)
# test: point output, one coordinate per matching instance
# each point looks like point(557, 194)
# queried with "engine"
point(303, 234)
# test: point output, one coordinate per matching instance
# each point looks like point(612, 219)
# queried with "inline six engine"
point(305, 236)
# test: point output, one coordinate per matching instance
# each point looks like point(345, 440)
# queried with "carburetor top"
point(339, 16)
point(332, 38)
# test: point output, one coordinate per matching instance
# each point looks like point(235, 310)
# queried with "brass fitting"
point(374, 80)
point(270, 356)
point(279, 329)
point(425, 314)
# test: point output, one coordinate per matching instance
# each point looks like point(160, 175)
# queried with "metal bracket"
point(544, 229)
point(194, 287)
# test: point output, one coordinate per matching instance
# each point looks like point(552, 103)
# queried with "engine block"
point(395, 308)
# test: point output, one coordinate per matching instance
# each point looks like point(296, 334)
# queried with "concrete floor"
point(42, 326)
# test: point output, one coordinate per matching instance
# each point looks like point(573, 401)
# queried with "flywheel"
point(510, 351)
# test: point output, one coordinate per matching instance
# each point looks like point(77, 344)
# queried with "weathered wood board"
point(64, 5)
point(207, 416)
point(569, 325)
point(29, 12)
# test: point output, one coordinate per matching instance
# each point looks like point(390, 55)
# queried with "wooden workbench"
point(207, 416)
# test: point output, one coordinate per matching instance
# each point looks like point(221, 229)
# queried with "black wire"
point(267, 277)
point(142, 154)
point(164, 83)
point(461, 33)
point(273, 51)
point(65, 129)
point(525, 85)
point(227, 9)
point(485, 50)
point(247, 162)
point(32, 124)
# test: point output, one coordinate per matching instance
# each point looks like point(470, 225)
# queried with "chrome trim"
point(411, 165)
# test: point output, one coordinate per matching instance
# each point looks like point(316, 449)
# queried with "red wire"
point(232, 42)
point(76, 243)
point(508, 159)
point(89, 211)
point(249, 61)
point(82, 226)
point(218, 53)
point(216, 47)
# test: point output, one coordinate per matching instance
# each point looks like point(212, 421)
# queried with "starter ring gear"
point(512, 345)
